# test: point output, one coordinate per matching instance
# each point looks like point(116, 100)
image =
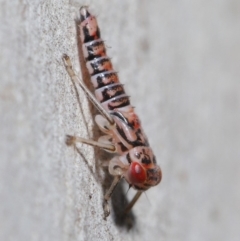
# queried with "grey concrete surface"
point(180, 62)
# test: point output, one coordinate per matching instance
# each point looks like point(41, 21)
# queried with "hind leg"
point(68, 65)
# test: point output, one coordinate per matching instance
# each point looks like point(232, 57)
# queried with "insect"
point(134, 160)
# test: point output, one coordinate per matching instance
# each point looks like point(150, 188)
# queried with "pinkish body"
point(135, 161)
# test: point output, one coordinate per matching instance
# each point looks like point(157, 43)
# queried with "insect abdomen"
point(108, 90)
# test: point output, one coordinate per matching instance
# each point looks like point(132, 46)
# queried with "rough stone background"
point(180, 62)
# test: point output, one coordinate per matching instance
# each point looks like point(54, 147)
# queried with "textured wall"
point(180, 63)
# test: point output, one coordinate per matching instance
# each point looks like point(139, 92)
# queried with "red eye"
point(137, 173)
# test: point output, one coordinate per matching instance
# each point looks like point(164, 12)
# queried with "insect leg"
point(108, 195)
point(71, 140)
point(75, 78)
point(133, 201)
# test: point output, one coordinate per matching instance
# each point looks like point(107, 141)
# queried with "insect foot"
point(70, 140)
point(106, 209)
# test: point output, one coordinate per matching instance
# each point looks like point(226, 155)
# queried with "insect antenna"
point(147, 198)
